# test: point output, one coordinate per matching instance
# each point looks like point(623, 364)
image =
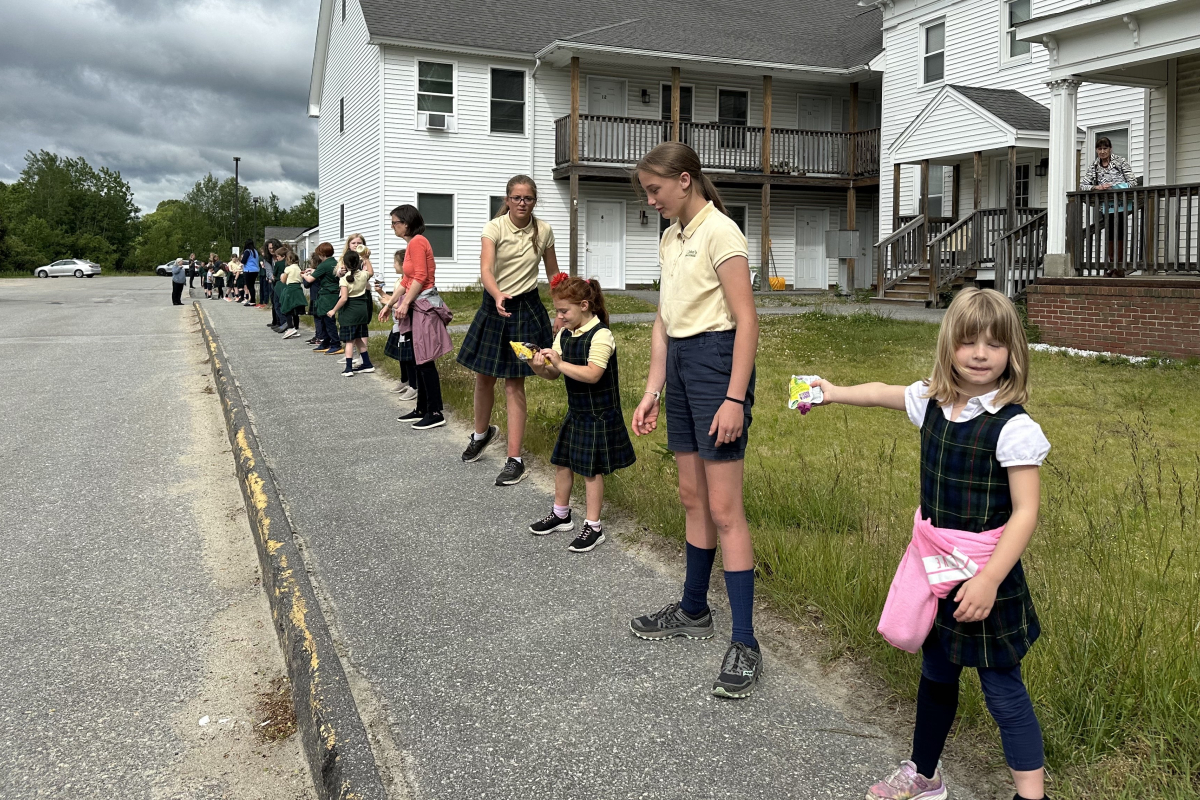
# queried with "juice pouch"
point(524, 351)
point(802, 395)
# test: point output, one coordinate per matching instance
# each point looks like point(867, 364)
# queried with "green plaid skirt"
point(487, 349)
point(348, 332)
point(1002, 638)
point(593, 444)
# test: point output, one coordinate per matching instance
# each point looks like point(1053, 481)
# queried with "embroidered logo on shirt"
point(689, 253)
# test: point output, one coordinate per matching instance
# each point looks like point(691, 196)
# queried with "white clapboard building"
point(439, 105)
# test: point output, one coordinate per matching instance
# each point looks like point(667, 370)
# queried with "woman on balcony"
point(1110, 171)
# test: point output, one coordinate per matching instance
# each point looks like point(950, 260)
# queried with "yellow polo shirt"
point(358, 287)
point(292, 274)
point(599, 351)
point(516, 268)
point(691, 300)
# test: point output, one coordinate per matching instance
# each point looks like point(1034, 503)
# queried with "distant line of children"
point(960, 594)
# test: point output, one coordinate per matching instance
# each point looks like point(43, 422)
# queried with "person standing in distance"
point(514, 244)
point(178, 279)
point(192, 269)
point(702, 353)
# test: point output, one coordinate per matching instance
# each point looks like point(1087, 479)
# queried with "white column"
point(1063, 120)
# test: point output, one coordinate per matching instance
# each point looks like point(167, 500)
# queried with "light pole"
point(237, 201)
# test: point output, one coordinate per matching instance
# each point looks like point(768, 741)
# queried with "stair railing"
point(1020, 254)
point(899, 255)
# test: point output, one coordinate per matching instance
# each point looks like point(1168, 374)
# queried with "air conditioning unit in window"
point(432, 121)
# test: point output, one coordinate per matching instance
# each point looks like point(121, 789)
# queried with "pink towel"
point(937, 560)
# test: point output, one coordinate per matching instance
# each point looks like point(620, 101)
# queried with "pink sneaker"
point(908, 784)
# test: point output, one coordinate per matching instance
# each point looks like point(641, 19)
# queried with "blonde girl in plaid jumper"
point(980, 456)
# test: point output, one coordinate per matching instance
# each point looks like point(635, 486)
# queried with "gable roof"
point(1010, 106)
point(821, 33)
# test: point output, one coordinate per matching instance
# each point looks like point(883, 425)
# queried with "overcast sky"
point(164, 91)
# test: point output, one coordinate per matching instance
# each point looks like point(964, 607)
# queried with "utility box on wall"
point(841, 244)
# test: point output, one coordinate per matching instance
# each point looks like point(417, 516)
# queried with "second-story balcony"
point(796, 156)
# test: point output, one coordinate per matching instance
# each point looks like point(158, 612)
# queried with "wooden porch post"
point(923, 239)
point(574, 209)
point(895, 197)
point(851, 195)
point(1010, 217)
point(675, 104)
point(765, 268)
point(977, 176)
point(954, 194)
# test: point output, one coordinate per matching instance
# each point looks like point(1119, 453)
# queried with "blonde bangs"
point(974, 313)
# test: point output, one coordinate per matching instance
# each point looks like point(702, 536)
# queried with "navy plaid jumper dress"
point(963, 487)
point(593, 439)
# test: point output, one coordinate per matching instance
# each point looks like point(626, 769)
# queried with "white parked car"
point(78, 267)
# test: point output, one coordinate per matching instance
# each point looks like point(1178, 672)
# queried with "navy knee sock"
point(695, 583)
point(740, 586)
point(366, 359)
point(937, 703)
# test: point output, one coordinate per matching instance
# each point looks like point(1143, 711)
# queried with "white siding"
point(973, 59)
point(348, 162)
point(1187, 120)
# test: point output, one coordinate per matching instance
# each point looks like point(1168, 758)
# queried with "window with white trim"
point(733, 111)
point(738, 213)
point(1015, 12)
point(933, 52)
point(342, 221)
point(435, 87)
point(343, 10)
point(341, 115)
point(508, 100)
point(495, 202)
point(438, 213)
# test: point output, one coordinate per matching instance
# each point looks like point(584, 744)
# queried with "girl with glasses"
point(514, 244)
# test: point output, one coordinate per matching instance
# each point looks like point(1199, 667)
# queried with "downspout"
point(537, 62)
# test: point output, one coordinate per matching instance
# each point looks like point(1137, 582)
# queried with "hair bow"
point(558, 279)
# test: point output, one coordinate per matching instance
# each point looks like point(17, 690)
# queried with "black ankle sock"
point(937, 703)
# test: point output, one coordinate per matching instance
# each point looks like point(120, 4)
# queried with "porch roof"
point(964, 119)
point(1125, 42)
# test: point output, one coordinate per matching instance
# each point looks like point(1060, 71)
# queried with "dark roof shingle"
point(1012, 107)
point(818, 33)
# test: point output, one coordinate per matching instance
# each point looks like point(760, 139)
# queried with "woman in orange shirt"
point(417, 287)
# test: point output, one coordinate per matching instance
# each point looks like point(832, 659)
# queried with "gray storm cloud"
point(162, 91)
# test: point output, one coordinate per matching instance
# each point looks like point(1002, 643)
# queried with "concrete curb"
point(334, 737)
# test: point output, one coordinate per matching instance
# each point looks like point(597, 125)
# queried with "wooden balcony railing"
point(1146, 229)
point(624, 140)
point(1020, 255)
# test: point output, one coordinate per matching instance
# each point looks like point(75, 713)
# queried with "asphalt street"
point(130, 609)
point(503, 664)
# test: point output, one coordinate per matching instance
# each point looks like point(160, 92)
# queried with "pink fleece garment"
point(937, 560)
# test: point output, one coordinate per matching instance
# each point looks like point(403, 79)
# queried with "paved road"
point(129, 596)
point(503, 663)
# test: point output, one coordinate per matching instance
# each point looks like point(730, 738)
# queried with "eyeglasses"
point(522, 201)
point(396, 222)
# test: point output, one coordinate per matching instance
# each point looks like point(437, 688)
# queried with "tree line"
point(62, 207)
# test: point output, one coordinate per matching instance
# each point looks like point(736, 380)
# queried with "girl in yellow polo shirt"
point(515, 243)
point(702, 353)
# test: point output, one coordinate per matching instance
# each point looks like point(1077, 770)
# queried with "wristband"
point(657, 395)
point(734, 400)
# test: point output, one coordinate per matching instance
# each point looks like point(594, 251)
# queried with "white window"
point(435, 87)
point(933, 52)
point(494, 204)
point(1116, 132)
point(438, 212)
point(508, 101)
point(1015, 11)
point(733, 111)
point(940, 190)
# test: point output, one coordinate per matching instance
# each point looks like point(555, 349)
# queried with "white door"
point(605, 139)
point(604, 250)
point(815, 153)
point(811, 269)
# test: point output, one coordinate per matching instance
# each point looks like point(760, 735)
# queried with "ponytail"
point(352, 263)
point(672, 159)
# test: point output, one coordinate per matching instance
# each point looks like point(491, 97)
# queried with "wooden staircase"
point(913, 290)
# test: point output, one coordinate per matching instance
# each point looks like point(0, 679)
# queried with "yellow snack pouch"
point(802, 394)
point(524, 351)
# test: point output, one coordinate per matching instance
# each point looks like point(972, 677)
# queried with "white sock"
point(479, 437)
point(595, 524)
point(517, 459)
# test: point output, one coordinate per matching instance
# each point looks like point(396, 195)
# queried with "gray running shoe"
point(739, 671)
point(669, 622)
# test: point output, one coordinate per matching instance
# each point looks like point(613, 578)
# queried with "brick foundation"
point(1131, 316)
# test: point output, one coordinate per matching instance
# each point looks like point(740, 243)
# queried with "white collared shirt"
point(1021, 441)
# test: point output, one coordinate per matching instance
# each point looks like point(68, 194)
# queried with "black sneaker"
point(348, 373)
point(313, 340)
point(434, 420)
point(587, 540)
point(671, 621)
point(476, 447)
point(411, 416)
point(739, 671)
point(512, 474)
point(364, 370)
point(552, 523)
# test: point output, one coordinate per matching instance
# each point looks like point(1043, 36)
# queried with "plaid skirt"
point(399, 347)
point(1001, 639)
point(487, 349)
point(593, 444)
point(348, 332)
